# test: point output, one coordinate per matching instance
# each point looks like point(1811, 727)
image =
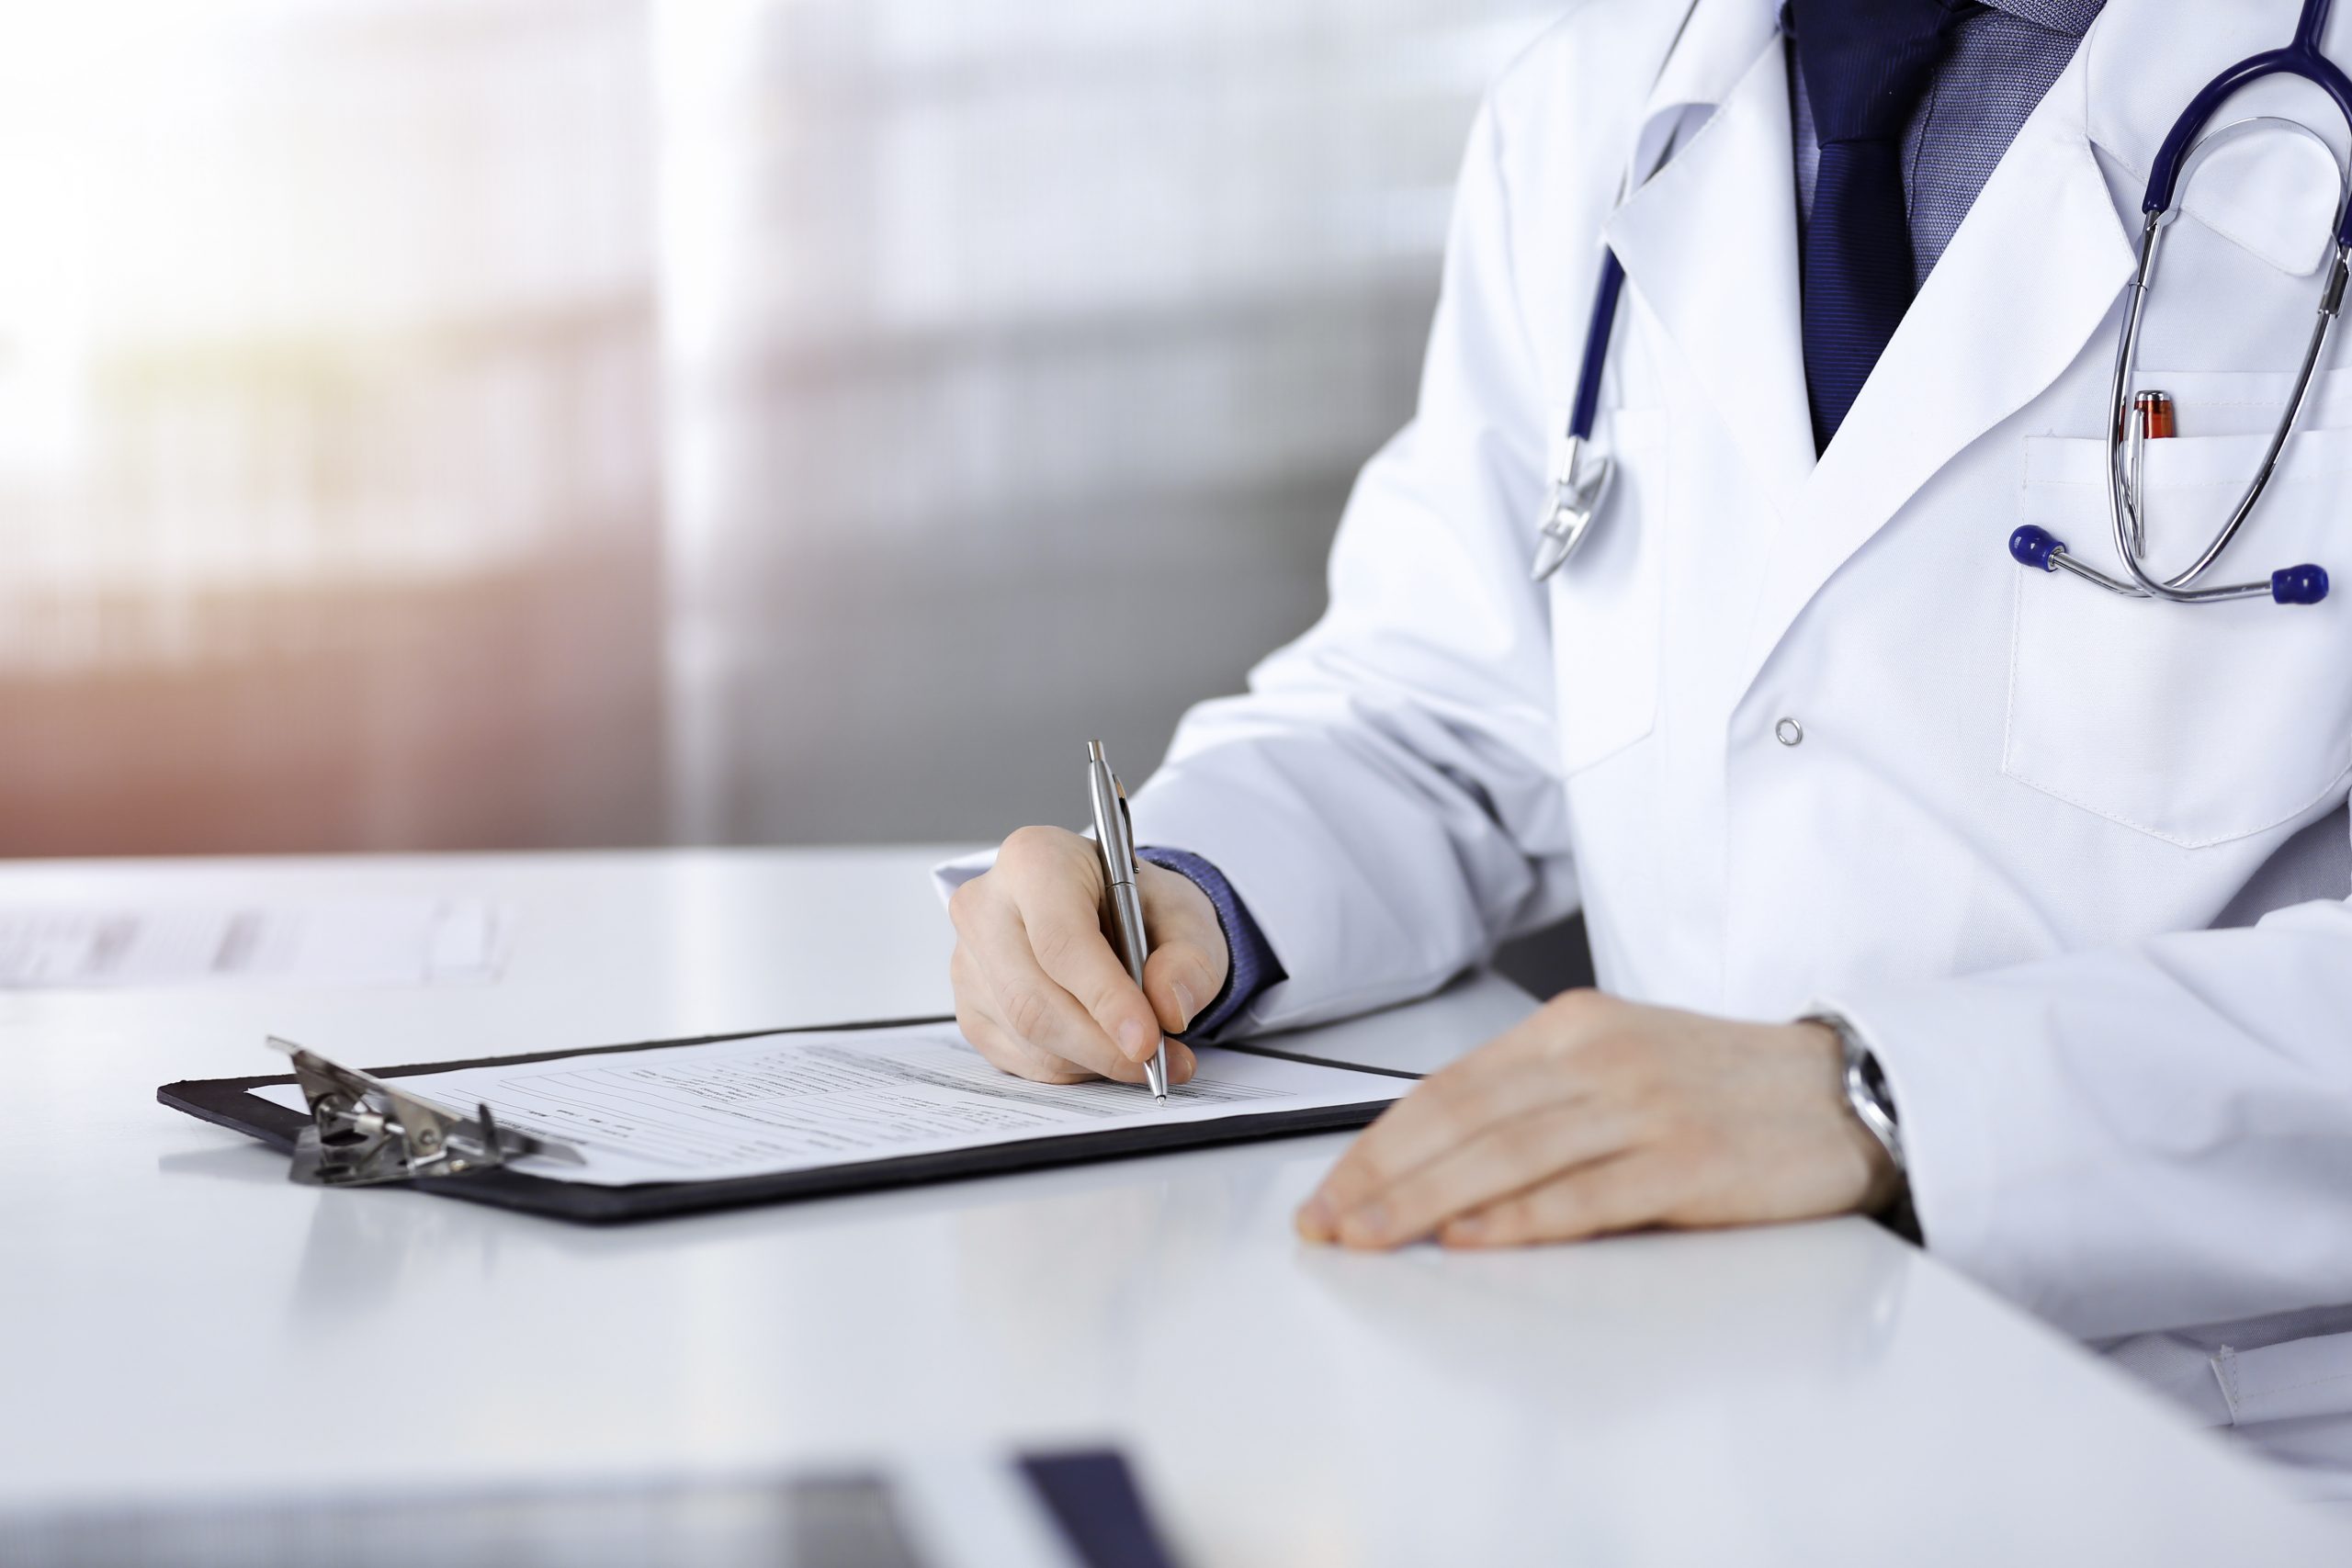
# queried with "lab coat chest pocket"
point(2199, 724)
point(1605, 603)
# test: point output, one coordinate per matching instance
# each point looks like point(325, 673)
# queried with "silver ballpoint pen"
point(1114, 837)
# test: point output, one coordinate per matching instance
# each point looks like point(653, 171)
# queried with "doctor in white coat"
point(2069, 870)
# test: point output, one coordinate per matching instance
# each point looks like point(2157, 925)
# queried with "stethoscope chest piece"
point(1579, 486)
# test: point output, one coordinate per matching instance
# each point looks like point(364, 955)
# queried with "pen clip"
point(1127, 825)
point(1113, 827)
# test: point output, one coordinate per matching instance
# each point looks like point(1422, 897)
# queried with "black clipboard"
point(229, 1102)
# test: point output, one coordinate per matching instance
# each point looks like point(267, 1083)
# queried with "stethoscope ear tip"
point(2305, 584)
point(2034, 546)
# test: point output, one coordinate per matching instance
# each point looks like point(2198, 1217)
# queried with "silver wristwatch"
point(1866, 1089)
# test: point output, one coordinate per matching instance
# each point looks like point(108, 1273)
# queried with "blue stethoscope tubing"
point(1580, 475)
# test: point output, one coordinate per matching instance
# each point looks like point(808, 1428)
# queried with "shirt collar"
point(2071, 18)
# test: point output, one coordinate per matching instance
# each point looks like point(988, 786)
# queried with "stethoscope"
point(1580, 475)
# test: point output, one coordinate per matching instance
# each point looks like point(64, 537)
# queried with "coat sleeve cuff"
point(1250, 965)
point(1928, 1042)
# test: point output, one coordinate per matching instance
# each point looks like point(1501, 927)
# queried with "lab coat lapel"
point(1709, 247)
point(2145, 68)
point(2037, 265)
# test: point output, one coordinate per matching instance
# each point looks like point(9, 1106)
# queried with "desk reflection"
point(1596, 1328)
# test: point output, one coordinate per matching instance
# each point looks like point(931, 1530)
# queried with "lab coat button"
point(1788, 732)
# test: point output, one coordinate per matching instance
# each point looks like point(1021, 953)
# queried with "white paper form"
point(788, 1102)
point(352, 942)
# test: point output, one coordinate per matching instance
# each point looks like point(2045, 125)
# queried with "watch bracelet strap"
point(1877, 1119)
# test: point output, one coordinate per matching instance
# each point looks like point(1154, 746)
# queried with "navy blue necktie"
point(1866, 63)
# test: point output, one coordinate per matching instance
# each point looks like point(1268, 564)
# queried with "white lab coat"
point(2021, 810)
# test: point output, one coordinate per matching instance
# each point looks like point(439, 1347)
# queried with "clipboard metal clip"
point(363, 1130)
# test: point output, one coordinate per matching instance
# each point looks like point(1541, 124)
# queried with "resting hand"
point(1599, 1115)
point(1039, 989)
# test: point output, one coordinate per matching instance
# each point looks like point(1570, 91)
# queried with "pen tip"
point(1159, 1100)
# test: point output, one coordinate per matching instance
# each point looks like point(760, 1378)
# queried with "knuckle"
point(1024, 844)
point(1019, 857)
point(1026, 1012)
point(1577, 1018)
point(1037, 851)
point(1055, 945)
point(1114, 1008)
point(1580, 1003)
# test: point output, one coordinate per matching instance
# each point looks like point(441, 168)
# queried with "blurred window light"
point(327, 371)
point(315, 293)
point(489, 422)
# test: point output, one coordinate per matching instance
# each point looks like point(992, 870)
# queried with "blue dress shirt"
point(1252, 965)
point(2003, 58)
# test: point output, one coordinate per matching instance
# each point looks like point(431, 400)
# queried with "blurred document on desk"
point(360, 941)
point(786, 1103)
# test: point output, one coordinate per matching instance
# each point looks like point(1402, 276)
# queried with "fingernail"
point(1180, 1058)
point(1137, 1038)
point(1183, 999)
point(1368, 1226)
point(1314, 1218)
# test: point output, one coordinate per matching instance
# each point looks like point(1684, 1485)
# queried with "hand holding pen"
point(1042, 990)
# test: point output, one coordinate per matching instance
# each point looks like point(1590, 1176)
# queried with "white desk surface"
point(176, 1318)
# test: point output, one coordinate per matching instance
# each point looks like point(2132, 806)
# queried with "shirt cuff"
point(1250, 965)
